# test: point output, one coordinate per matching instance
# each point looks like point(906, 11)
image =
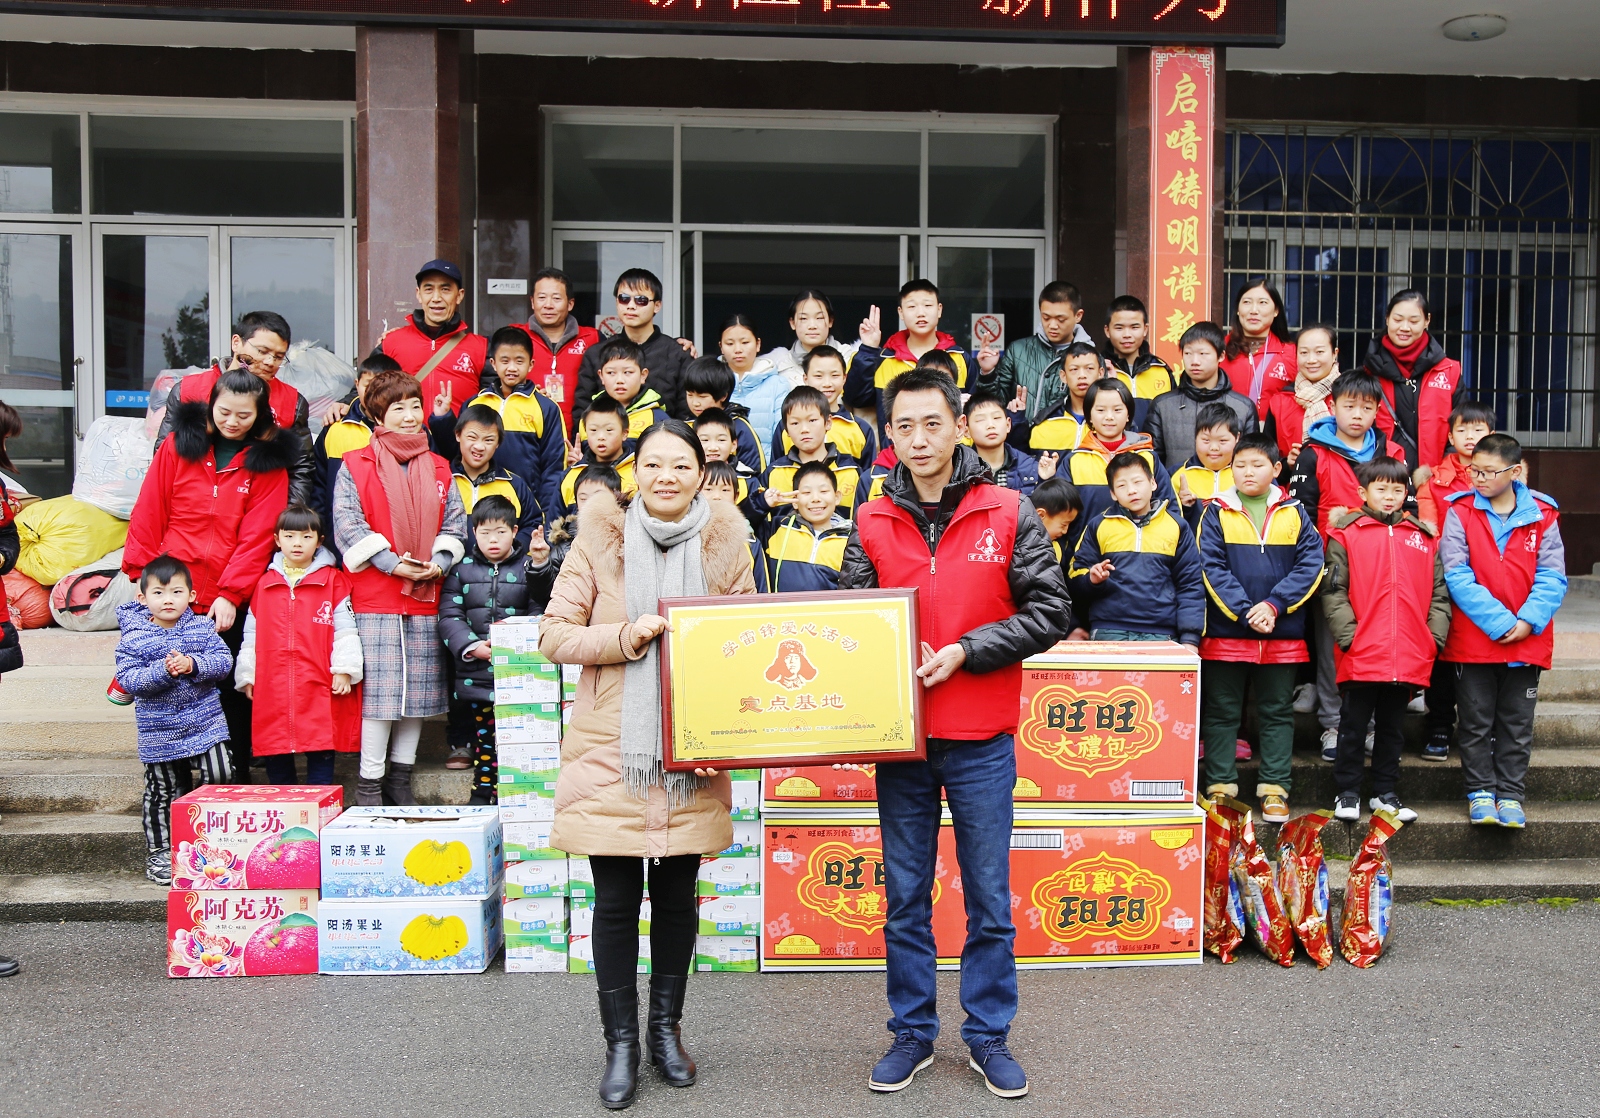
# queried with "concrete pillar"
point(413, 178)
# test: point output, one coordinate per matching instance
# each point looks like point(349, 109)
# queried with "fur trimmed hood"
point(192, 437)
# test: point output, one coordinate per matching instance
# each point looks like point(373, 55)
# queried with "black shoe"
point(9, 966)
point(397, 785)
point(619, 1017)
point(662, 1033)
point(369, 793)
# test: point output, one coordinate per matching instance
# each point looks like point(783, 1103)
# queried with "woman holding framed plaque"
point(615, 802)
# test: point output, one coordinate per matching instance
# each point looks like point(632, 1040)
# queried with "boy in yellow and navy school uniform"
point(1110, 409)
point(1136, 571)
point(1060, 429)
point(824, 369)
point(1129, 359)
point(533, 443)
point(805, 419)
point(806, 550)
point(1261, 556)
point(874, 366)
point(622, 378)
point(606, 443)
point(707, 385)
point(722, 482)
point(718, 435)
point(1209, 471)
point(478, 473)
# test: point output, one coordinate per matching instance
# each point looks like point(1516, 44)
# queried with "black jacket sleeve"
point(1044, 613)
point(860, 382)
point(1303, 481)
point(10, 548)
point(170, 416)
point(1153, 427)
point(856, 571)
point(454, 628)
point(303, 476)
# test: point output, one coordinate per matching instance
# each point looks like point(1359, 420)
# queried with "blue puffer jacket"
point(762, 390)
point(177, 716)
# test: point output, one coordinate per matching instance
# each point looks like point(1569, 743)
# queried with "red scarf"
point(415, 513)
point(1406, 358)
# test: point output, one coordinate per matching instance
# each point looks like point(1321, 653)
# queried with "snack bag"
point(1224, 911)
point(1369, 894)
point(1303, 883)
point(1263, 909)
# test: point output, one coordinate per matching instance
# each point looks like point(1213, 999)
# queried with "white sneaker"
point(1330, 745)
point(1371, 737)
point(1419, 705)
point(1305, 698)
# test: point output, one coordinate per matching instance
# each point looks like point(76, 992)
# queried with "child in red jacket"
point(1389, 613)
point(301, 644)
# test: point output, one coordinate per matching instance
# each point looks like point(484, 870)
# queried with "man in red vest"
point(260, 343)
point(435, 345)
point(559, 342)
point(990, 594)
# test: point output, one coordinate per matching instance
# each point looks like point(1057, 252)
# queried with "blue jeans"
point(978, 778)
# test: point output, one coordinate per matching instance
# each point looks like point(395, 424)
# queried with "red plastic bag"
point(1369, 894)
point(1303, 883)
point(1263, 909)
point(28, 602)
point(1224, 911)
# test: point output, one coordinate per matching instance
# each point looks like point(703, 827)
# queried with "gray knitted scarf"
point(660, 559)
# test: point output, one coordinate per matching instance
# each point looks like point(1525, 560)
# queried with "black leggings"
point(618, 889)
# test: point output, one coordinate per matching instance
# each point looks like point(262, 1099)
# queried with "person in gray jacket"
point(1172, 417)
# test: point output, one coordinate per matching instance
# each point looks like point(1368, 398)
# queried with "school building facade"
point(171, 166)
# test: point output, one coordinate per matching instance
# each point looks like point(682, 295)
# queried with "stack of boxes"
point(729, 887)
point(246, 875)
point(1106, 848)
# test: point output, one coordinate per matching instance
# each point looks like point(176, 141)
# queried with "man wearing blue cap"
point(435, 345)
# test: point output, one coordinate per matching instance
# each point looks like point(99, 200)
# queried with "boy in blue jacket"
point(805, 551)
point(1261, 557)
point(988, 425)
point(1136, 568)
point(171, 660)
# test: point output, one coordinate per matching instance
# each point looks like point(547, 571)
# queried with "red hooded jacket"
point(1391, 571)
point(219, 522)
point(284, 397)
point(1417, 401)
point(295, 709)
point(555, 371)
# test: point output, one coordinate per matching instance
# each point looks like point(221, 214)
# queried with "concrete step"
point(1570, 681)
point(1584, 586)
point(1553, 774)
point(1559, 725)
point(1556, 830)
point(111, 785)
point(88, 896)
point(71, 842)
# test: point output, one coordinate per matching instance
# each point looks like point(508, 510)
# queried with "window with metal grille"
point(1497, 229)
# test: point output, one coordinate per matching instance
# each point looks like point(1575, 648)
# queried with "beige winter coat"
point(586, 623)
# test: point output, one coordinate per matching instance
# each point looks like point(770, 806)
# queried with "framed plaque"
point(753, 681)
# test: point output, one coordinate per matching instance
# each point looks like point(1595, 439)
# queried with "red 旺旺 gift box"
point(820, 784)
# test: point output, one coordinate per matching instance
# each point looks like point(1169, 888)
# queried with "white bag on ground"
point(320, 376)
point(115, 457)
point(86, 599)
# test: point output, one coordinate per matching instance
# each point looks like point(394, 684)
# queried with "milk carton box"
point(536, 877)
point(535, 916)
point(536, 954)
point(730, 916)
point(726, 953)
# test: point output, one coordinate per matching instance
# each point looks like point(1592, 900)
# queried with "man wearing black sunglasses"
point(638, 295)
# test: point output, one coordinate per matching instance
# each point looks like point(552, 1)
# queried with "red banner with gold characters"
point(1182, 114)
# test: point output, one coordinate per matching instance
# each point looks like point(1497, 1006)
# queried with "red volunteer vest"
point(460, 369)
point(961, 586)
point(559, 381)
point(1336, 483)
point(372, 591)
point(1391, 591)
point(285, 399)
point(1508, 576)
point(295, 709)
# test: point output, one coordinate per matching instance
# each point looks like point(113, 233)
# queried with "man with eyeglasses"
point(638, 295)
point(260, 343)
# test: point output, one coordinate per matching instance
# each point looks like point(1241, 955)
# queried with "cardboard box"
point(1109, 725)
point(730, 916)
point(515, 641)
point(536, 954)
point(530, 839)
point(823, 895)
point(582, 917)
point(527, 723)
point(251, 836)
point(537, 764)
point(238, 932)
point(570, 674)
point(726, 953)
point(580, 955)
point(821, 784)
point(741, 776)
point(518, 684)
point(746, 839)
point(425, 935)
point(535, 916)
point(536, 877)
point(737, 875)
point(746, 800)
point(580, 878)
point(532, 802)
point(419, 851)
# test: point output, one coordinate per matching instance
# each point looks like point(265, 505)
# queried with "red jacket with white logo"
point(293, 628)
point(1262, 376)
point(1509, 576)
point(1386, 601)
point(555, 371)
point(372, 591)
point(196, 389)
point(1416, 410)
point(219, 522)
point(461, 369)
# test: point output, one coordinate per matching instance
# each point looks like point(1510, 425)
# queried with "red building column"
point(413, 186)
point(1171, 130)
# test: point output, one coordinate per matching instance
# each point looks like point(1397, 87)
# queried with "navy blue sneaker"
point(908, 1055)
point(1000, 1070)
point(1436, 748)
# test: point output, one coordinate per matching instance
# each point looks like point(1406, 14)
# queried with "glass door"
point(989, 286)
point(595, 258)
point(299, 273)
point(42, 339)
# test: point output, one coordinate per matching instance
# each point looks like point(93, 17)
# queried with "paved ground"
point(1481, 1011)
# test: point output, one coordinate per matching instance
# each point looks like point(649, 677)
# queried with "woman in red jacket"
point(398, 520)
point(211, 499)
point(1421, 385)
point(1259, 358)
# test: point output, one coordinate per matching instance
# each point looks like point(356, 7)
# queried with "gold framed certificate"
point(752, 681)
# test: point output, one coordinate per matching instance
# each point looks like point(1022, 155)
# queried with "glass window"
point(36, 356)
point(157, 312)
point(39, 164)
point(611, 172)
point(982, 180)
point(217, 168)
point(294, 276)
point(788, 176)
point(981, 280)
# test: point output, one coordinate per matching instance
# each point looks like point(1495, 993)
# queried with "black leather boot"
point(663, 1035)
point(397, 785)
point(619, 1017)
point(369, 793)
